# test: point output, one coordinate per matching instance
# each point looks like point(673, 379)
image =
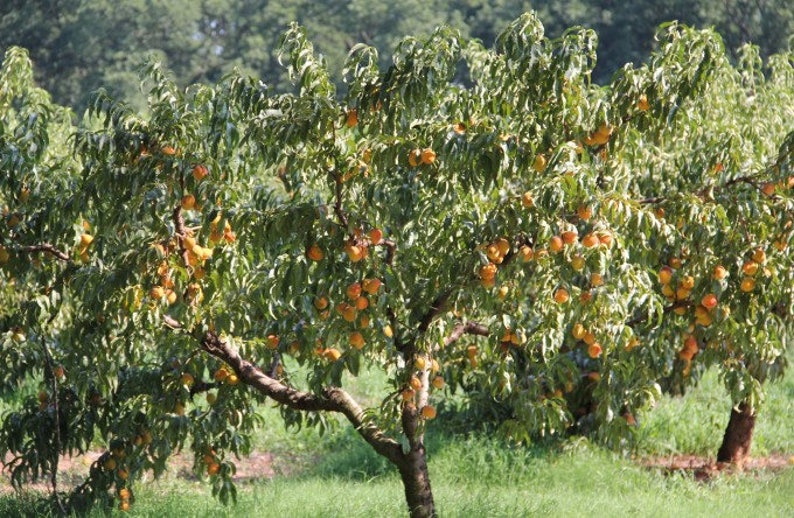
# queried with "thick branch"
point(470, 328)
point(436, 307)
point(391, 250)
point(44, 247)
point(333, 399)
point(181, 232)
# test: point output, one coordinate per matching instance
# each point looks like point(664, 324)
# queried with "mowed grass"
point(478, 475)
point(695, 423)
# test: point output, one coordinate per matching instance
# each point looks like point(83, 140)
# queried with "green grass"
point(475, 475)
point(695, 423)
point(478, 477)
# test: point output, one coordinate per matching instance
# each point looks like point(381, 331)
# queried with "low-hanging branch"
point(332, 399)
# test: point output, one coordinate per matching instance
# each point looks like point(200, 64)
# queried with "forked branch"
point(332, 399)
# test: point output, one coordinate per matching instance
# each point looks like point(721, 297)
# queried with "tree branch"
point(436, 307)
point(44, 247)
point(340, 213)
point(391, 249)
point(470, 328)
point(181, 232)
point(333, 399)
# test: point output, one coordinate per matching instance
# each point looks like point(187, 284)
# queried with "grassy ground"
point(338, 475)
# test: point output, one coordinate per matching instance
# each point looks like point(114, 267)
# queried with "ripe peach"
point(354, 252)
point(750, 268)
point(709, 301)
point(376, 236)
point(584, 212)
point(200, 172)
point(371, 286)
point(315, 253)
point(569, 237)
point(561, 296)
point(188, 202)
point(352, 118)
point(428, 156)
point(332, 354)
point(590, 240)
point(356, 339)
point(488, 272)
point(526, 253)
point(428, 412)
point(353, 291)
point(539, 165)
point(578, 331)
point(556, 244)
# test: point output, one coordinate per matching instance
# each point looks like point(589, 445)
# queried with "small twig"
point(340, 213)
point(652, 201)
point(750, 179)
point(172, 322)
point(44, 247)
point(667, 309)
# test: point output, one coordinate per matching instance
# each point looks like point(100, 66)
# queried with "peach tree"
point(673, 225)
point(172, 269)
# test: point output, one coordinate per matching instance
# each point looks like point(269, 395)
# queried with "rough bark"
point(333, 399)
point(416, 481)
point(411, 465)
point(738, 435)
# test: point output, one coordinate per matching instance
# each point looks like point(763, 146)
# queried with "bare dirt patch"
point(73, 470)
point(705, 468)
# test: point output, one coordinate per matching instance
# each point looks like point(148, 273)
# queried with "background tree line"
point(81, 45)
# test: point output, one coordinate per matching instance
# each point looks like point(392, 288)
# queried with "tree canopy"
point(79, 46)
point(567, 249)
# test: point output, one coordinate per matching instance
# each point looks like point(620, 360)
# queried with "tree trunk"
point(738, 435)
point(416, 481)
